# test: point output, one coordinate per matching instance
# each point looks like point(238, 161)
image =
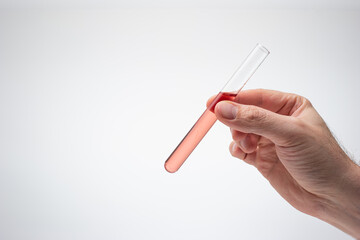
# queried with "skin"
point(284, 137)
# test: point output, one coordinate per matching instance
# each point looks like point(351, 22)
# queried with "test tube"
point(208, 118)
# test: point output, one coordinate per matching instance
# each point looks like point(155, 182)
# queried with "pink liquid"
point(196, 134)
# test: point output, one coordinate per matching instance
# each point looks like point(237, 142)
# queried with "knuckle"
point(306, 102)
point(302, 101)
point(237, 136)
point(296, 102)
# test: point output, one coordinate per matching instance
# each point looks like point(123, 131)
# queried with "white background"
point(94, 96)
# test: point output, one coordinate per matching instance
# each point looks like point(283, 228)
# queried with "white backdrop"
point(94, 99)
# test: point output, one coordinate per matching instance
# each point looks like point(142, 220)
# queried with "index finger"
point(275, 101)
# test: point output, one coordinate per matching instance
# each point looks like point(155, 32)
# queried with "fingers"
point(268, 99)
point(246, 141)
point(210, 100)
point(256, 120)
point(275, 101)
point(235, 151)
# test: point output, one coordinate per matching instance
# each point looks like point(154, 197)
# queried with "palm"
point(265, 159)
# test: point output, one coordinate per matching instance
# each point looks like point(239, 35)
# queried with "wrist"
point(342, 209)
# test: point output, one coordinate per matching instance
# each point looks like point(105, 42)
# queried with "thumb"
point(252, 119)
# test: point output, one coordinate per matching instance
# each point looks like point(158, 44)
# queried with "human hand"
point(284, 137)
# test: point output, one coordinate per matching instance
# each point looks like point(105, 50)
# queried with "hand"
point(283, 136)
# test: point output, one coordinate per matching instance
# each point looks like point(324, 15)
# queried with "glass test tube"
point(208, 118)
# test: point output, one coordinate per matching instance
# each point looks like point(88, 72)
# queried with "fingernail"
point(227, 110)
point(243, 145)
point(234, 147)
